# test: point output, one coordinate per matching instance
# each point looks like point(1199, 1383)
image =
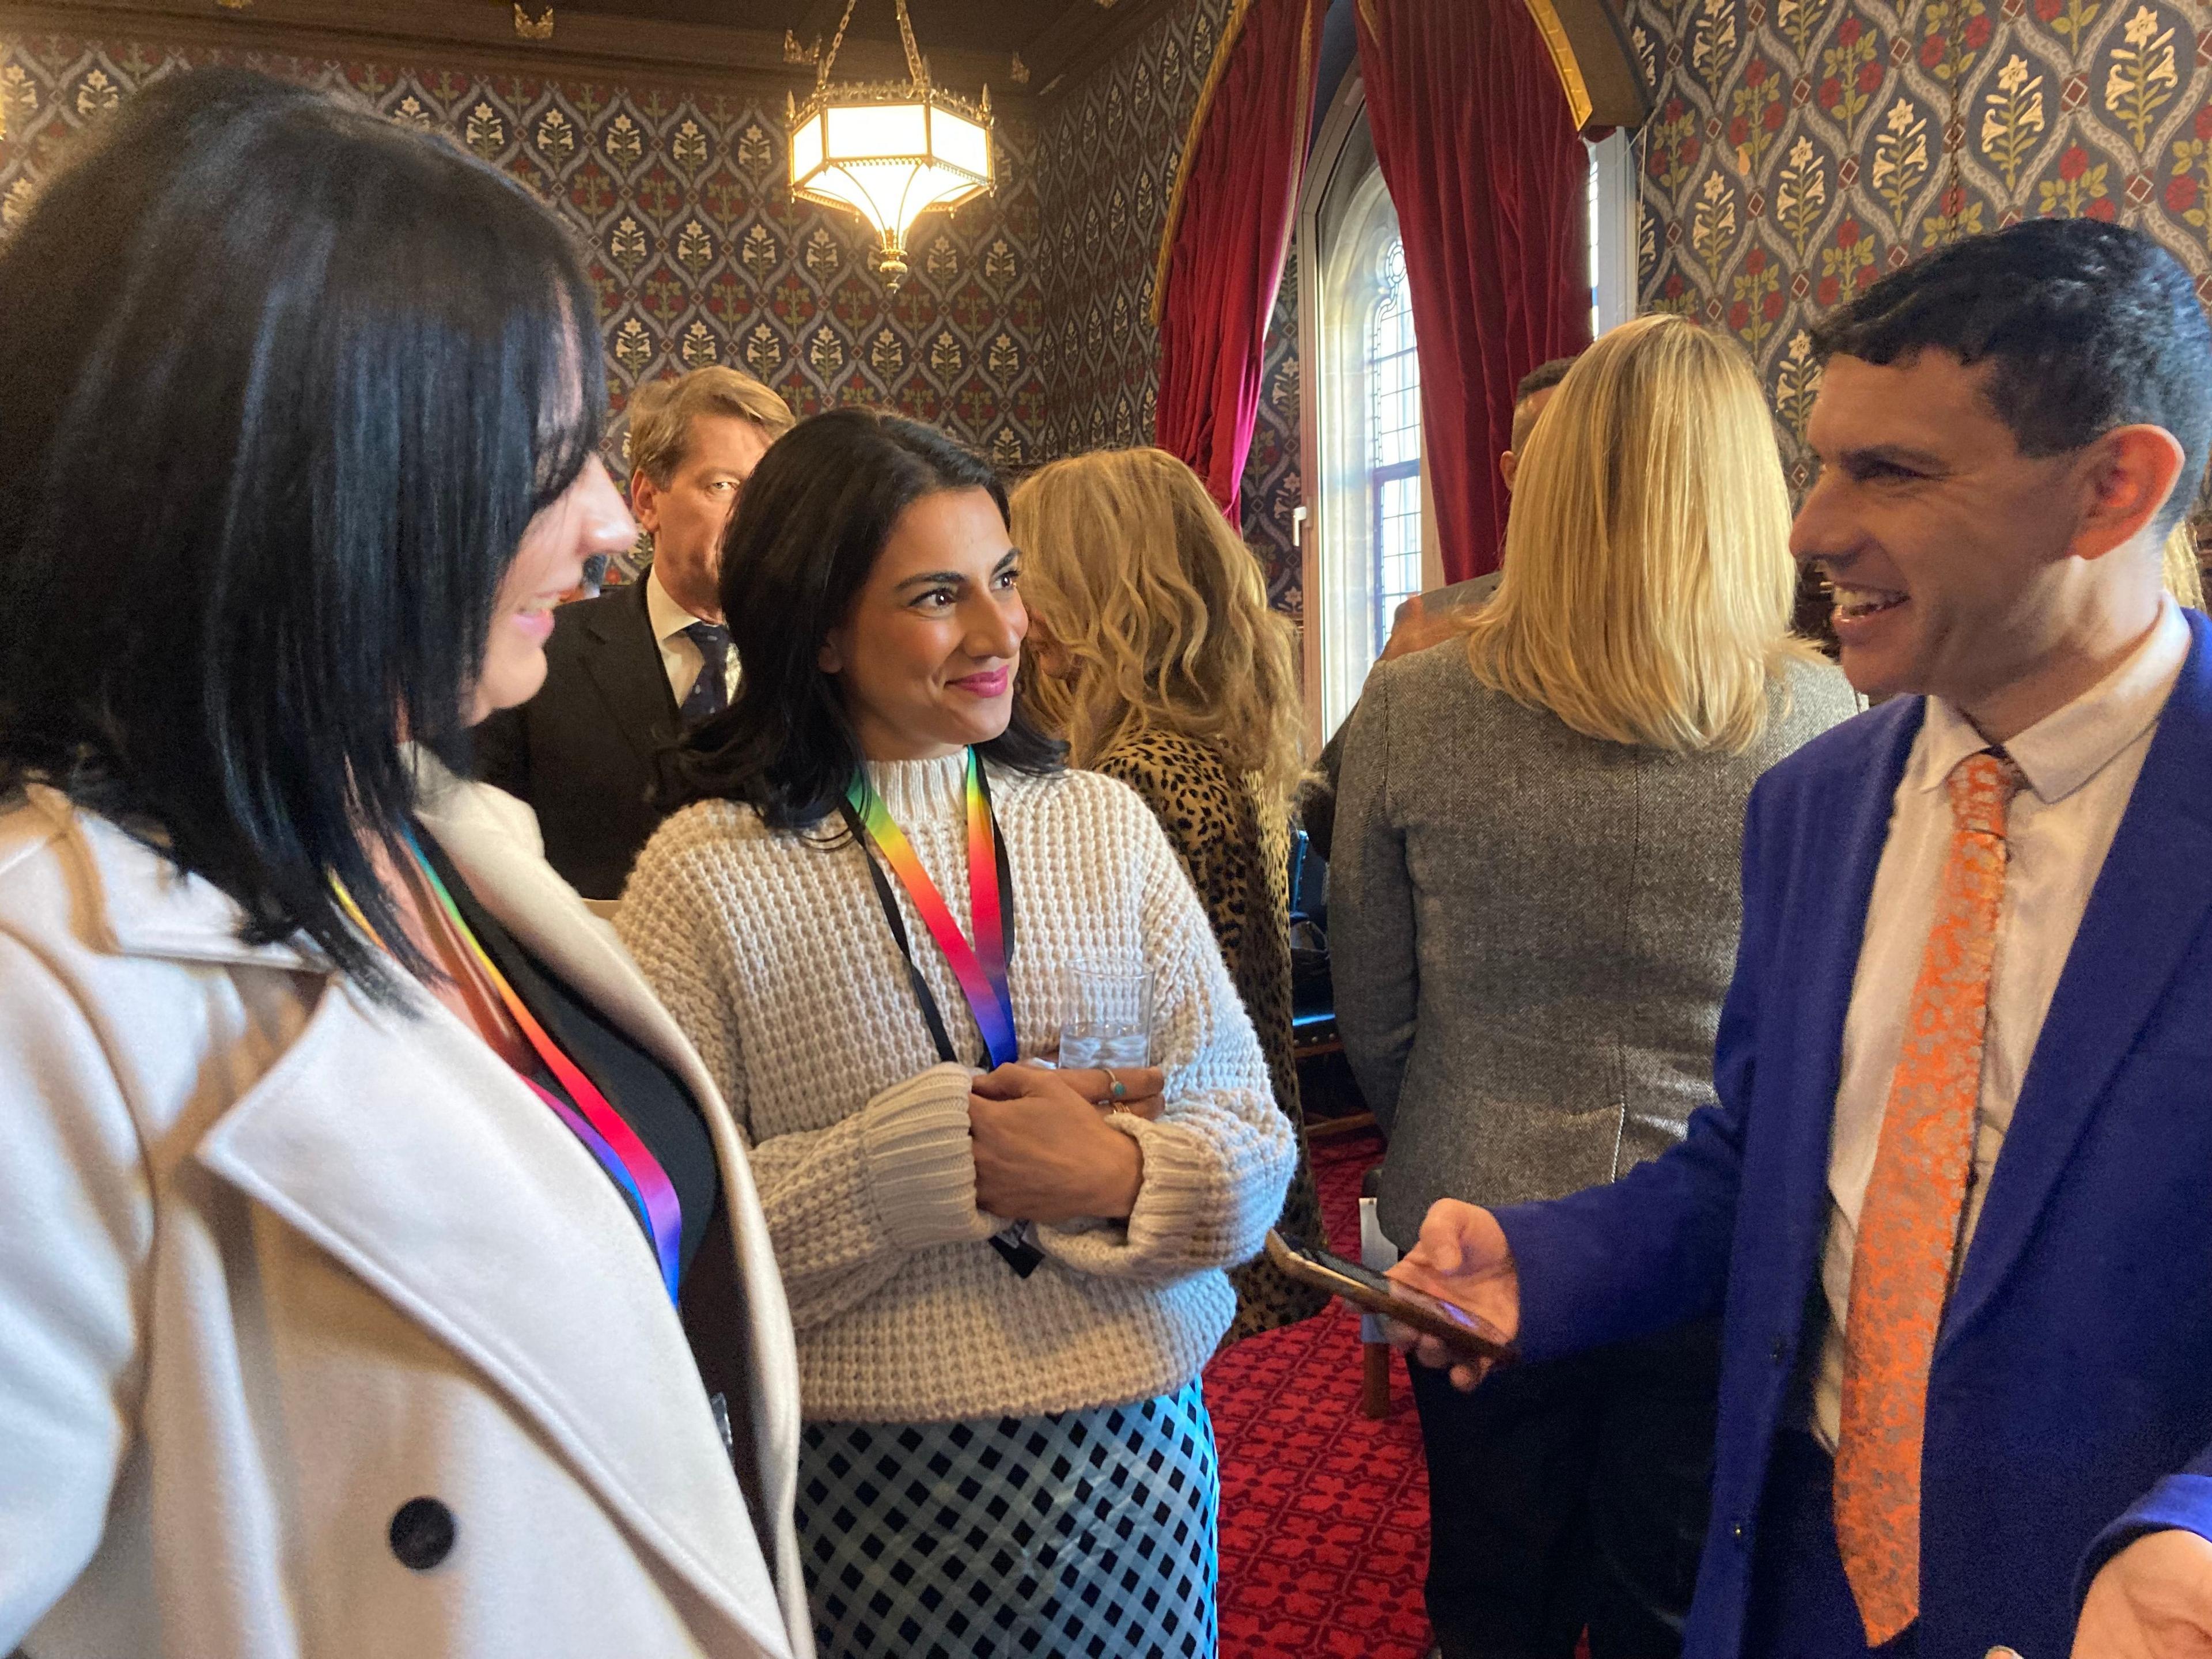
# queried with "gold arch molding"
point(1597, 70)
point(1604, 84)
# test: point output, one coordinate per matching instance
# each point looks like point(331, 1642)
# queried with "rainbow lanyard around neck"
point(980, 969)
point(606, 1134)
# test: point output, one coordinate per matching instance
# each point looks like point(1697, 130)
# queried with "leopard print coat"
point(1241, 868)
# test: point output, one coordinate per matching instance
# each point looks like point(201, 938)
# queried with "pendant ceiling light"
point(888, 150)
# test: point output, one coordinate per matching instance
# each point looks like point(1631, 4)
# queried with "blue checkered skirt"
point(1088, 1533)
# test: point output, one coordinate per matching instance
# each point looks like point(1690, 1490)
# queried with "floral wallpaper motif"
point(1107, 154)
point(1802, 147)
point(1106, 162)
point(700, 253)
point(1272, 485)
point(1799, 149)
point(1022, 328)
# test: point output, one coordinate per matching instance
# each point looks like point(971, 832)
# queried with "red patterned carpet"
point(1324, 1515)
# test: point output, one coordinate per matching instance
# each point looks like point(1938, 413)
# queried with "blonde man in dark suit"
point(631, 671)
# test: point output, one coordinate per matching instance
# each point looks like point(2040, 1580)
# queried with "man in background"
point(1426, 617)
point(629, 673)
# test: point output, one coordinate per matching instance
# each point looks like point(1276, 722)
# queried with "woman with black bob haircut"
point(355, 1183)
point(1004, 1277)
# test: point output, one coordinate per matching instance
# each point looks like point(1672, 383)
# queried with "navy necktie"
point(710, 692)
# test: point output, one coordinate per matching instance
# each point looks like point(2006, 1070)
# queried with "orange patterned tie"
point(1909, 1225)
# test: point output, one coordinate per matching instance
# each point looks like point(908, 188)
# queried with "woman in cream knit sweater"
point(1006, 1449)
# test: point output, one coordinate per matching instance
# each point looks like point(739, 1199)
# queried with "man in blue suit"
point(1955, 1202)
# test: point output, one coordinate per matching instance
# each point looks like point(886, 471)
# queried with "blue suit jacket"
point(2069, 1406)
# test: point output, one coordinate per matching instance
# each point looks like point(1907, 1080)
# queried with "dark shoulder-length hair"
point(285, 382)
point(807, 531)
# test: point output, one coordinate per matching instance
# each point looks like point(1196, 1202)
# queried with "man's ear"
point(644, 502)
point(2126, 476)
point(1508, 465)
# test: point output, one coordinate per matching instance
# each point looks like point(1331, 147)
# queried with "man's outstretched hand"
point(1462, 1257)
point(2152, 1601)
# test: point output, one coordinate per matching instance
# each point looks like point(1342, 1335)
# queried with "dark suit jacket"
point(586, 752)
point(2069, 1407)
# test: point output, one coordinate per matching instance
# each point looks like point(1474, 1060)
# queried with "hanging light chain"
point(917, 66)
point(822, 69)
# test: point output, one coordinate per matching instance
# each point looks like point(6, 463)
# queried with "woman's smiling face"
point(925, 658)
point(587, 517)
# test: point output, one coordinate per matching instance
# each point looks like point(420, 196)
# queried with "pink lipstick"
point(991, 685)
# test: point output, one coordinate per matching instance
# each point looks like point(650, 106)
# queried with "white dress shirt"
point(2080, 765)
point(680, 657)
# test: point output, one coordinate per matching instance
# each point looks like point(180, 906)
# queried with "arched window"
point(1367, 530)
point(1394, 424)
point(1367, 420)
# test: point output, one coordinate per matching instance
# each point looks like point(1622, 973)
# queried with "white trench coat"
point(277, 1264)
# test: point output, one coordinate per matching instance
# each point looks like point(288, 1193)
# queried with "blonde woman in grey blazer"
point(1534, 922)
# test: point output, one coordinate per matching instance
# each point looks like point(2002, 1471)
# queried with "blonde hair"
point(1134, 573)
point(661, 413)
point(1648, 584)
point(2184, 576)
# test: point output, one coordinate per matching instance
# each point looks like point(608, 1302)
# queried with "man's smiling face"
point(1945, 546)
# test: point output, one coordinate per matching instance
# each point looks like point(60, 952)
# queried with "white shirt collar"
point(668, 618)
point(2068, 747)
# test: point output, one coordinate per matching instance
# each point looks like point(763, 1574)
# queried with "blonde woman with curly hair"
point(1534, 917)
point(1156, 657)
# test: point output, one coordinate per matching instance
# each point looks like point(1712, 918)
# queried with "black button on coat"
point(423, 1532)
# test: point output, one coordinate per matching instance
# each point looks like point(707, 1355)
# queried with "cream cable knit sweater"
point(773, 953)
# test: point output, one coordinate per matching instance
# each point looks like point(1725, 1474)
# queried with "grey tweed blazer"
point(1532, 930)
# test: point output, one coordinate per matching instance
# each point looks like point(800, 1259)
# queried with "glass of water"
point(1105, 1015)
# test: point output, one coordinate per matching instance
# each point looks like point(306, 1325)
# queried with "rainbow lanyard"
point(604, 1131)
point(980, 969)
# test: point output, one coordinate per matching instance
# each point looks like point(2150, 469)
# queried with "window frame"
point(1618, 229)
point(1340, 288)
point(1614, 229)
point(1374, 249)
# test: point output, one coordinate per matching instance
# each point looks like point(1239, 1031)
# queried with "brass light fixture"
point(888, 150)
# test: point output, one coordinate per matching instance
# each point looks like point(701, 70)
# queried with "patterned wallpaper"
point(1273, 485)
point(1799, 149)
point(1106, 162)
point(1022, 327)
point(699, 252)
point(1802, 147)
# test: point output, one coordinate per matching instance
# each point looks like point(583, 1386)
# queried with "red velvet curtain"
point(1238, 198)
point(1489, 177)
